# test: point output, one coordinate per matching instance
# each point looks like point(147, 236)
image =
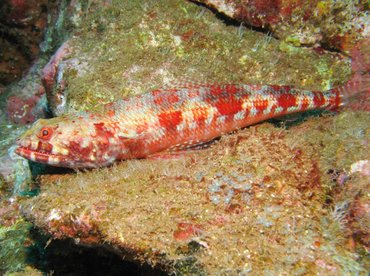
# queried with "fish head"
point(72, 142)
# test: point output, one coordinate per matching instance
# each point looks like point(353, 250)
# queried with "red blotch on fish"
point(306, 103)
point(228, 106)
point(232, 88)
point(170, 98)
point(216, 90)
point(261, 105)
point(170, 120)
point(78, 150)
point(44, 146)
point(318, 99)
point(286, 100)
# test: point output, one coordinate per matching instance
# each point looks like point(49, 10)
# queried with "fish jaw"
point(55, 159)
point(43, 152)
point(41, 157)
point(71, 142)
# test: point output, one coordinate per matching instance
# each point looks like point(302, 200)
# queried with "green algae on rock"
point(13, 245)
point(129, 47)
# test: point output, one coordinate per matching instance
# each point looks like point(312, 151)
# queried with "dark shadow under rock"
point(64, 257)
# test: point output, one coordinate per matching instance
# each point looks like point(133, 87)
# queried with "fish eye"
point(45, 133)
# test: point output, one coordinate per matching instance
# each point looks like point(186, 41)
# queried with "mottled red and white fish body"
point(164, 119)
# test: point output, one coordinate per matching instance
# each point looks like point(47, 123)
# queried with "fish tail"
point(354, 88)
point(358, 87)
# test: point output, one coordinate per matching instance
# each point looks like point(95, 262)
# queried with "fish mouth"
point(39, 155)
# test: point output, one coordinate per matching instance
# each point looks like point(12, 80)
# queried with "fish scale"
point(164, 119)
point(213, 110)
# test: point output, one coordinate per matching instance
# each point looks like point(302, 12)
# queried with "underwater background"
point(288, 196)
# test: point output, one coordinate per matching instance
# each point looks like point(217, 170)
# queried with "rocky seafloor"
point(288, 196)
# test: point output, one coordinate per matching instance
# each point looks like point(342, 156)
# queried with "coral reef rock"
point(335, 24)
point(22, 25)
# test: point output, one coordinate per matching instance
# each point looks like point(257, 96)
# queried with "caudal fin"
point(355, 87)
point(356, 92)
